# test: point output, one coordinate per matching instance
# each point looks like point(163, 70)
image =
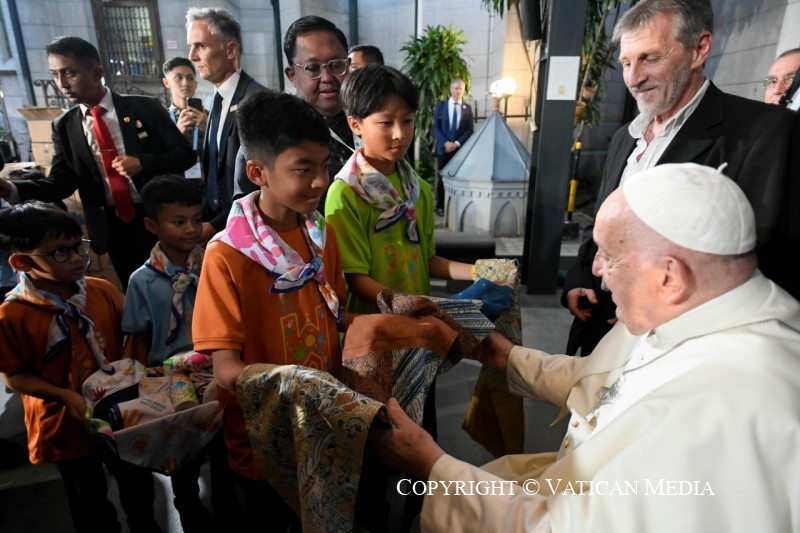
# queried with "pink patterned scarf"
point(247, 232)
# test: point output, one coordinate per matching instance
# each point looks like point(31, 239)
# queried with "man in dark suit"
point(215, 48)
point(136, 141)
point(316, 51)
point(453, 124)
point(685, 118)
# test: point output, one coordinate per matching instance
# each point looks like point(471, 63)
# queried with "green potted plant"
point(432, 61)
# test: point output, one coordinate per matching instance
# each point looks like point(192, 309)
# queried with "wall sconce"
point(502, 88)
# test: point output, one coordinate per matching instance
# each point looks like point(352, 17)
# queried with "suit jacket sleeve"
point(62, 180)
point(438, 132)
point(242, 186)
point(176, 154)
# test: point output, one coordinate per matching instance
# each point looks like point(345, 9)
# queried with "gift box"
point(131, 410)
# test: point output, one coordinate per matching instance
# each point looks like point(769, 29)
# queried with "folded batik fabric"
point(308, 433)
point(400, 352)
point(496, 417)
point(308, 430)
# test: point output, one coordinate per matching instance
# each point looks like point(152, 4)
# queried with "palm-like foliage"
point(433, 60)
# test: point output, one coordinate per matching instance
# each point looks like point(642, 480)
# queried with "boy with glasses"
point(58, 327)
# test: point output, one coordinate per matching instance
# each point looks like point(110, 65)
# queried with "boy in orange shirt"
point(272, 280)
point(57, 327)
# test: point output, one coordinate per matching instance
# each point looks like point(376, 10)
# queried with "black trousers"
point(129, 243)
point(87, 494)
point(136, 493)
point(264, 509)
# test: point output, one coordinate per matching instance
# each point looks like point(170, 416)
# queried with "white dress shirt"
point(645, 155)
point(226, 91)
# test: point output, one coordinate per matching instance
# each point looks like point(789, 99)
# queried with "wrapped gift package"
point(152, 417)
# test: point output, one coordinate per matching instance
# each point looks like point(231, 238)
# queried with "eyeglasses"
point(62, 254)
point(772, 82)
point(336, 67)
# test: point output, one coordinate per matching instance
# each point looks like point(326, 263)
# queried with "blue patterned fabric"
point(495, 299)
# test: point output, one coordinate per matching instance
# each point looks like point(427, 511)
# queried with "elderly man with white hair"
point(685, 417)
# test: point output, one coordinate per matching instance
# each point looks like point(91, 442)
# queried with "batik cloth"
point(496, 417)
point(247, 232)
point(376, 189)
point(72, 307)
point(400, 352)
point(325, 422)
point(181, 278)
point(308, 433)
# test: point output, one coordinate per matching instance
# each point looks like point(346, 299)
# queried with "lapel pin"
point(139, 124)
point(126, 119)
point(232, 108)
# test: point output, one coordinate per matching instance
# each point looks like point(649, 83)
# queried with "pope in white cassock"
point(687, 415)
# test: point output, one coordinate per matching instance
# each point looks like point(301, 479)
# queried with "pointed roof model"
point(492, 153)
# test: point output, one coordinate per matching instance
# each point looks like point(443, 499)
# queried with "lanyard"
point(339, 139)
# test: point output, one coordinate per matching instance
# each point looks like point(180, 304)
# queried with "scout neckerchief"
point(376, 189)
point(181, 279)
point(59, 332)
point(247, 232)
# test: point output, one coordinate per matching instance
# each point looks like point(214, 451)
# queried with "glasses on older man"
point(63, 253)
point(336, 67)
point(772, 82)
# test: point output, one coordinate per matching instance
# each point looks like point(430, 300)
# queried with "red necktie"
point(120, 191)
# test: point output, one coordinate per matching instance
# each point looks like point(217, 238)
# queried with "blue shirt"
point(148, 305)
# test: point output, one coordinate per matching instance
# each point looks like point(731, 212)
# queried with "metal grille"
point(129, 41)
